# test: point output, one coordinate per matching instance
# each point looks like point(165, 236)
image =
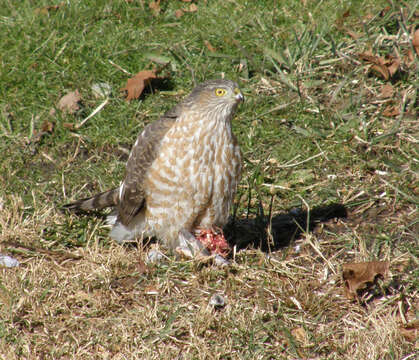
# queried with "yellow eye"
point(220, 92)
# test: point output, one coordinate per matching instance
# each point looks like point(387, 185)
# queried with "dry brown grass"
point(104, 302)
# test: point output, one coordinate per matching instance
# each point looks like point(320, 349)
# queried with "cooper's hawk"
point(182, 172)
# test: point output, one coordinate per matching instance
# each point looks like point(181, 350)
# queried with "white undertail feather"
point(122, 233)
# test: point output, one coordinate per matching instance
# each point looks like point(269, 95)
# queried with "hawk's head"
point(216, 98)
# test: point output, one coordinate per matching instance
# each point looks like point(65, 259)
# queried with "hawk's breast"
point(194, 179)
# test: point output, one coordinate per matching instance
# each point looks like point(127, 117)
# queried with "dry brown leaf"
point(142, 268)
point(409, 57)
point(393, 64)
point(45, 10)
point(179, 13)
point(300, 335)
point(209, 46)
point(384, 11)
point(391, 111)
point(47, 126)
point(135, 86)
point(357, 275)
point(415, 41)
point(387, 91)
point(69, 126)
point(410, 331)
point(385, 67)
point(192, 8)
point(382, 70)
point(70, 102)
point(155, 7)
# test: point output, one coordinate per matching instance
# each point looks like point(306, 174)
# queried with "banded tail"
point(100, 201)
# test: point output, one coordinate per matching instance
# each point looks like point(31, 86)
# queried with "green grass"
point(312, 133)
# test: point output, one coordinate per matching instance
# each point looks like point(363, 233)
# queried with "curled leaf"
point(135, 86)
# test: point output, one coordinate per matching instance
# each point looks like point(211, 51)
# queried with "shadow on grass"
point(285, 227)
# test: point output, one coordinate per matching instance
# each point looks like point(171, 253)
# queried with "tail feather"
point(100, 201)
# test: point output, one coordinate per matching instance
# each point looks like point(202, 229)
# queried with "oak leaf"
point(135, 85)
point(357, 275)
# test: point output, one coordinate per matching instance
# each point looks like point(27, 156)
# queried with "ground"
point(329, 135)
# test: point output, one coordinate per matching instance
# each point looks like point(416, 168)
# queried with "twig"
point(301, 162)
point(119, 68)
point(95, 111)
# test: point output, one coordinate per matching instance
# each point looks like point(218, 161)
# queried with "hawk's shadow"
point(284, 228)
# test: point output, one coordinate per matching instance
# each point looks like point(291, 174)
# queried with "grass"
point(315, 131)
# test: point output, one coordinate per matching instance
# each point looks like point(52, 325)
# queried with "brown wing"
point(143, 153)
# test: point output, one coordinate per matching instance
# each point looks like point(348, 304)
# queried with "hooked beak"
point(239, 96)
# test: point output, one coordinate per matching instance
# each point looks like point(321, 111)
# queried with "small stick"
point(95, 111)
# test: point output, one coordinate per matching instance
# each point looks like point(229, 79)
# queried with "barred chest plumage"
point(193, 181)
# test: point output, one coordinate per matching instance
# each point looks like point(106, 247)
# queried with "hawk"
point(182, 173)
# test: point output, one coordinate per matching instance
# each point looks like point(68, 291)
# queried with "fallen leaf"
point(410, 331)
point(69, 126)
point(209, 46)
point(341, 19)
point(135, 86)
point(382, 70)
point(45, 10)
point(47, 126)
point(385, 67)
point(409, 57)
point(126, 283)
point(346, 13)
point(155, 7)
point(387, 91)
point(415, 41)
point(70, 102)
point(393, 64)
point(192, 8)
point(391, 111)
point(142, 268)
point(357, 275)
point(300, 335)
point(385, 11)
point(179, 13)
